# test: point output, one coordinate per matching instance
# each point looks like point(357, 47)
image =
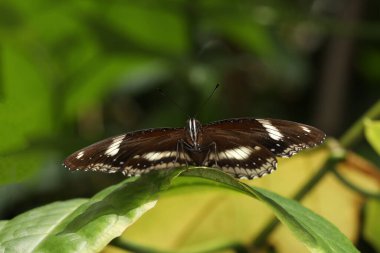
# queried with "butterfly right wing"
point(281, 137)
point(247, 147)
point(133, 153)
point(238, 155)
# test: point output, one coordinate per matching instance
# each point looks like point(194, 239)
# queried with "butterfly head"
point(193, 132)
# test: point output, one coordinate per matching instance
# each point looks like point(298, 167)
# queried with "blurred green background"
point(74, 72)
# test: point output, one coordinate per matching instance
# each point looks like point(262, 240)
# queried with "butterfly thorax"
point(194, 134)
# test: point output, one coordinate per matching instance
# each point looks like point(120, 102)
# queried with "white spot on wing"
point(306, 129)
point(240, 153)
point(273, 131)
point(154, 156)
point(114, 148)
point(79, 155)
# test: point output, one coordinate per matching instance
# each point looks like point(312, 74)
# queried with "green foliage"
point(66, 65)
point(111, 71)
point(372, 223)
point(148, 33)
point(84, 225)
point(88, 225)
point(308, 227)
point(21, 115)
point(372, 133)
point(27, 231)
point(20, 166)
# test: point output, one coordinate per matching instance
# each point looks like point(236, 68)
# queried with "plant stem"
point(354, 134)
point(355, 188)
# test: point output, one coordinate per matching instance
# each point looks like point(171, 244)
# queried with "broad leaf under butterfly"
point(242, 147)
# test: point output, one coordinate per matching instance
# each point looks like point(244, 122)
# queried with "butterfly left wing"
point(281, 137)
point(132, 154)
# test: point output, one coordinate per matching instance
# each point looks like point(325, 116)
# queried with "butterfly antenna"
point(208, 99)
point(173, 101)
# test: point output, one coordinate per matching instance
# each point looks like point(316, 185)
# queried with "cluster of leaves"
point(60, 60)
point(88, 225)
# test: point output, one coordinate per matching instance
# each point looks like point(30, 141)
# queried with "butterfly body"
point(243, 147)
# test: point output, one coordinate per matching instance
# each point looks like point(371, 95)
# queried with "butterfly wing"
point(242, 147)
point(280, 137)
point(247, 147)
point(132, 154)
point(239, 155)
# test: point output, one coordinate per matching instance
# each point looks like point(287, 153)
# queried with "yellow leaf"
point(206, 217)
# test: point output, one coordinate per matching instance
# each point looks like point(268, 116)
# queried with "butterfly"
point(241, 147)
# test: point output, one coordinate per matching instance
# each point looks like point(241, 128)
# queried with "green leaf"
point(315, 232)
point(20, 166)
point(25, 232)
point(89, 225)
point(372, 223)
point(372, 133)
point(247, 33)
point(146, 25)
point(84, 225)
point(105, 74)
point(69, 41)
point(25, 105)
point(25, 114)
